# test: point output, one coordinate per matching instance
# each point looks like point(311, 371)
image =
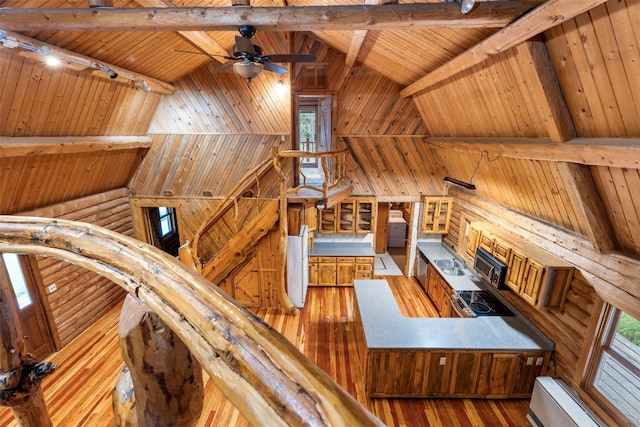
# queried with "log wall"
point(82, 296)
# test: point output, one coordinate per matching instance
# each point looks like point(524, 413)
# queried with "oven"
point(490, 268)
point(477, 303)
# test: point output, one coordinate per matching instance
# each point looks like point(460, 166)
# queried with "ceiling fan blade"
point(223, 67)
point(292, 57)
point(245, 45)
point(274, 68)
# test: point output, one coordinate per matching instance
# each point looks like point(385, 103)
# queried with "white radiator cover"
point(553, 404)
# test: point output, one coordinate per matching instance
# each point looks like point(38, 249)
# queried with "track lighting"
point(112, 74)
point(465, 5)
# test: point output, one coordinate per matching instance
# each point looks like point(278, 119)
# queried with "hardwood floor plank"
point(79, 393)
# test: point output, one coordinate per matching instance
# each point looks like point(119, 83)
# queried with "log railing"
point(192, 251)
point(255, 367)
point(335, 176)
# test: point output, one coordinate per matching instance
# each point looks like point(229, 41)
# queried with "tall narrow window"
point(162, 228)
point(613, 376)
point(18, 281)
point(166, 221)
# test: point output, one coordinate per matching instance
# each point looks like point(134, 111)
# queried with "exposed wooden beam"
point(545, 16)
point(300, 18)
point(360, 35)
point(75, 60)
point(354, 48)
point(548, 94)
point(38, 146)
point(588, 204)
point(199, 38)
point(613, 152)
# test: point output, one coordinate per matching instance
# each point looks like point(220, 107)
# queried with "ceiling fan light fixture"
point(248, 70)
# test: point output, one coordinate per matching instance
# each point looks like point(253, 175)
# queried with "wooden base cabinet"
point(339, 271)
point(464, 374)
point(439, 291)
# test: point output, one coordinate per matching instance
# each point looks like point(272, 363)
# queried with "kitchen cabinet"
point(473, 240)
point(436, 215)
point(352, 215)
point(538, 277)
point(339, 271)
point(327, 271)
point(439, 291)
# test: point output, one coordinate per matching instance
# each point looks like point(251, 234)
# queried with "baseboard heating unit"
point(554, 404)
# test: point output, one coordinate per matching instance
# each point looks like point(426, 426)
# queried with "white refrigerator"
point(298, 266)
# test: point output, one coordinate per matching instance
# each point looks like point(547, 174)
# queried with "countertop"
point(468, 282)
point(342, 249)
point(386, 328)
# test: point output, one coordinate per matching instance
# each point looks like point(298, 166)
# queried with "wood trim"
point(291, 18)
point(611, 152)
point(38, 146)
point(547, 15)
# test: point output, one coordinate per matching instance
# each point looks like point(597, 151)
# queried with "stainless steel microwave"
point(490, 269)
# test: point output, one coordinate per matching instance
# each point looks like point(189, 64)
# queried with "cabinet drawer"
point(344, 259)
point(363, 267)
point(361, 274)
point(364, 260)
point(326, 259)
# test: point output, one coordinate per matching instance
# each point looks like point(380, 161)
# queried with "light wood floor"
point(79, 393)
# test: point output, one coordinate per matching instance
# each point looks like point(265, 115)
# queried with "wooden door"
point(327, 271)
point(345, 271)
point(501, 375)
point(473, 239)
point(382, 227)
point(20, 272)
point(246, 284)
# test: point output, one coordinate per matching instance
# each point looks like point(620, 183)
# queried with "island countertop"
point(386, 328)
point(342, 249)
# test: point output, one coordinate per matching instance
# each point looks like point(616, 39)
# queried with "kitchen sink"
point(449, 263)
point(453, 271)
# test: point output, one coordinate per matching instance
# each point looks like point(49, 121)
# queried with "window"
point(613, 374)
point(18, 282)
point(166, 221)
point(307, 135)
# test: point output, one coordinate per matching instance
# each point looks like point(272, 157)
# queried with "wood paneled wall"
point(189, 165)
point(36, 100)
point(36, 181)
point(82, 296)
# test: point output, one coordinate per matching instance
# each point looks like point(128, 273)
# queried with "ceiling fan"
point(248, 61)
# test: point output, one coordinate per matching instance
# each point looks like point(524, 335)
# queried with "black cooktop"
point(483, 303)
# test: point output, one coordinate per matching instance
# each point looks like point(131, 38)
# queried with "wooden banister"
point(256, 368)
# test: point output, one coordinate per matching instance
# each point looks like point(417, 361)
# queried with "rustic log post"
point(123, 400)
point(167, 379)
point(20, 372)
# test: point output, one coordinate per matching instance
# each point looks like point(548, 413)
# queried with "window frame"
point(602, 344)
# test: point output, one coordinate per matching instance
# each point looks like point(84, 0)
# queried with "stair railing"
point(256, 368)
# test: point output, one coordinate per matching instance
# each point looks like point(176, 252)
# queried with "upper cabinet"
point(436, 215)
point(538, 277)
point(352, 215)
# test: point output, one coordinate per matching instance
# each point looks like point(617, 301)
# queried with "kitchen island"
point(490, 357)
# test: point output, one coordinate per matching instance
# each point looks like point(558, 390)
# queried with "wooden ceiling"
point(568, 72)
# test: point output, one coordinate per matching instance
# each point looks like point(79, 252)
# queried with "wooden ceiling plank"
point(494, 14)
point(68, 57)
point(199, 38)
point(613, 152)
point(37, 146)
point(545, 16)
point(588, 204)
